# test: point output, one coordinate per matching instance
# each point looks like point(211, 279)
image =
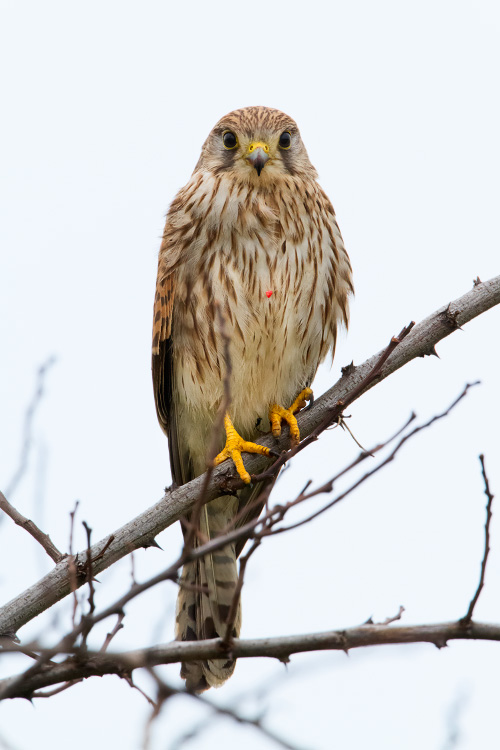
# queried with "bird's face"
point(258, 145)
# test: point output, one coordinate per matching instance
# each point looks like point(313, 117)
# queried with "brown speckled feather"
point(265, 246)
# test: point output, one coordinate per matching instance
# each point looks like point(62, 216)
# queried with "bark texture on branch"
point(141, 531)
point(97, 664)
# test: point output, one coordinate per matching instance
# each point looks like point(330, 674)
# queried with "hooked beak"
point(258, 155)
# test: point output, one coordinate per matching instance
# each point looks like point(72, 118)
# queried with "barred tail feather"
point(205, 597)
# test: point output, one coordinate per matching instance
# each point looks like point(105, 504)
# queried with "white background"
point(105, 106)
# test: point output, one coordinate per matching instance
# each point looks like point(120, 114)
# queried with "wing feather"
point(163, 353)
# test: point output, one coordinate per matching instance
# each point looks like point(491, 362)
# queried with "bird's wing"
point(162, 355)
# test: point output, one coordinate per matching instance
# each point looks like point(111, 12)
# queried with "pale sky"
point(105, 106)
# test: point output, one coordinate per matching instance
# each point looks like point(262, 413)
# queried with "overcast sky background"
point(105, 106)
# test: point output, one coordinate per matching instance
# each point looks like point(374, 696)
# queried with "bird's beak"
point(258, 155)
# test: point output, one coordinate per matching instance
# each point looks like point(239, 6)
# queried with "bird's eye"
point(285, 139)
point(229, 140)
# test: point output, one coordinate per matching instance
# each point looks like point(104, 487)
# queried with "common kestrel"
point(253, 235)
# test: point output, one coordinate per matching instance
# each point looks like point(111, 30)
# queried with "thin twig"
point(233, 609)
point(72, 572)
point(31, 528)
point(468, 617)
point(111, 635)
point(28, 427)
point(387, 620)
point(87, 619)
point(57, 690)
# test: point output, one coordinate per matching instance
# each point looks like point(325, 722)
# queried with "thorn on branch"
point(348, 369)
point(440, 643)
point(431, 353)
point(151, 543)
point(451, 316)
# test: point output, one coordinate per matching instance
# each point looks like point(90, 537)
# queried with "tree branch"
point(95, 663)
point(141, 531)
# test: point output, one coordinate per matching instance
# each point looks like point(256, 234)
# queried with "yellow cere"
point(258, 144)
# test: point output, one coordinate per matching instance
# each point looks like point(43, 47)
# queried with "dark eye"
point(285, 140)
point(229, 140)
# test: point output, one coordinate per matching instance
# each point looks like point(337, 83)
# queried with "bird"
point(251, 253)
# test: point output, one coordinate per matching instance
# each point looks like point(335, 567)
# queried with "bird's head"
point(258, 145)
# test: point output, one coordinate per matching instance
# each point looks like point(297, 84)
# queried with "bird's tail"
point(205, 597)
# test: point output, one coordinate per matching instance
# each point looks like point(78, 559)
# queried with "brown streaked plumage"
point(251, 220)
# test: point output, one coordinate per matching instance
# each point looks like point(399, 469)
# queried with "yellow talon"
point(277, 413)
point(235, 446)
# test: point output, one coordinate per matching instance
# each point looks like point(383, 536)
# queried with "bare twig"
point(233, 609)
point(31, 528)
point(88, 569)
point(72, 572)
point(57, 690)
point(129, 680)
point(387, 620)
point(343, 424)
point(28, 427)
point(468, 617)
point(111, 635)
point(328, 485)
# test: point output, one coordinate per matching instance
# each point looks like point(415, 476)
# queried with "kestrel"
point(252, 236)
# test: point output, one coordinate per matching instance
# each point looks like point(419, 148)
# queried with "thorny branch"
point(334, 414)
point(256, 529)
point(141, 531)
point(94, 663)
point(82, 663)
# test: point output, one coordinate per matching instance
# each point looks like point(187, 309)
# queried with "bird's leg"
point(277, 413)
point(235, 446)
